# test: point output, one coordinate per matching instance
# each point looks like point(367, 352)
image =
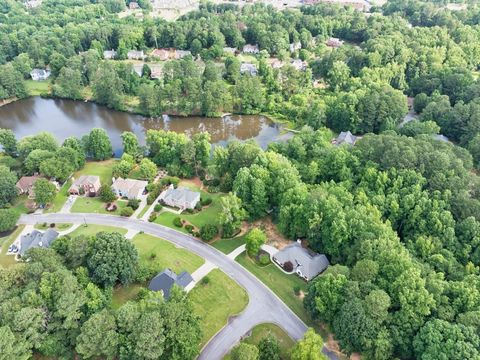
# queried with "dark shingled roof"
point(165, 280)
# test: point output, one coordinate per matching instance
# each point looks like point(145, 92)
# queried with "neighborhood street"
point(264, 306)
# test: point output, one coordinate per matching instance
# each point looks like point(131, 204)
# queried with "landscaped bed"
point(94, 205)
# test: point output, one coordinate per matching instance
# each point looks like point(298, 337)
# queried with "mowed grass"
point(216, 301)
point(36, 88)
point(280, 283)
point(5, 242)
point(122, 294)
point(92, 229)
point(103, 169)
point(95, 206)
point(58, 227)
point(163, 254)
point(228, 245)
point(60, 198)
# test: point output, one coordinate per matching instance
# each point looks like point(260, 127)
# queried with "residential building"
point(248, 68)
point(135, 55)
point(109, 54)
point(180, 197)
point(37, 239)
point(128, 188)
point(133, 5)
point(85, 184)
point(251, 49)
point(165, 280)
point(40, 74)
point(25, 185)
point(305, 264)
point(334, 42)
point(299, 64)
point(345, 137)
point(162, 54)
point(295, 46)
point(180, 54)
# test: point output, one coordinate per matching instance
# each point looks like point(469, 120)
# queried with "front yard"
point(103, 169)
point(91, 230)
point(94, 205)
point(228, 245)
point(5, 242)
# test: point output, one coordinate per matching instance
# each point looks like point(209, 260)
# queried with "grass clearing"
point(280, 283)
point(37, 88)
point(122, 294)
point(5, 242)
point(92, 229)
point(60, 198)
point(228, 245)
point(95, 206)
point(103, 169)
point(216, 301)
point(163, 254)
point(58, 227)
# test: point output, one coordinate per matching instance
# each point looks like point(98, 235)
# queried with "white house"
point(129, 188)
point(247, 68)
point(180, 197)
point(40, 74)
point(109, 54)
point(295, 46)
point(135, 55)
point(251, 49)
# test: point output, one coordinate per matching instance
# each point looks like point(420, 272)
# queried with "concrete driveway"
point(264, 306)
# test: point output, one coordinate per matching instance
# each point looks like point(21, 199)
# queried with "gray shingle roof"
point(37, 239)
point(346, 137)
point(165, 280)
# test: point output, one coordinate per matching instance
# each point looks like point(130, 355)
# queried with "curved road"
point(263, 307)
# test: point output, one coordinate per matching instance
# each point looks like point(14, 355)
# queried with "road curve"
point(263, 307)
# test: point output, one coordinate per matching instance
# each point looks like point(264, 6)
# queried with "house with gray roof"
point(180, 197)
point(165, 280)
point(37, 239)
point(109, 54)
point(345, 137)
point(307, 265)
point(248, 68)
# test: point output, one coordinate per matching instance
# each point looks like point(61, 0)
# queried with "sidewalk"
point(200, 273)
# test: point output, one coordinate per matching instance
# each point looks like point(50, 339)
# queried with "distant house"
point(230, 50)
point(299, 64)
point(345, 137)
point(248, 68)
point(85, 184)
point(167, 278)
point(295, 46)
point(129, 188)
point(37, 239)
point(334, 42)
point(32, 4)
point(156, 71)
point(40, 74)
point(251, 49)
point(133, 5)
point(135, 55)
point(25, 185)
point(307, 265)
point(180, 197)
point(109, 54)
point(162, 54)
point(180, 54)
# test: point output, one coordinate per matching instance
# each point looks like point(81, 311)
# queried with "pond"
point(64, 118)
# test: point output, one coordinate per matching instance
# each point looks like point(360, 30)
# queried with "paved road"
point(264, 306)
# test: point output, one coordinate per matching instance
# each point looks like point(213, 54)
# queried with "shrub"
point(133, 203)
point(208, 232)
point(189, 228)
point(106, 194)
point(196, 234)
point(126, 211)
point(297, 289)
point(167, 180)
point(44, 225)
point(188, 211)
point(288, 266)
point(152, 217)
point(152, 256)
point(8, 219)
point(178, 222)
point(206, 201)
point(142, 294)
point(205, 280)
point(157, 208)
point(264, 259)
point(52, 225)
point(198, 206)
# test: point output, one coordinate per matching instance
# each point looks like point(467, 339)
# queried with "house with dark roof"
point(345, 137)
point(180, 197)
point(165, 280)
point(305, 264)
point(37, 239)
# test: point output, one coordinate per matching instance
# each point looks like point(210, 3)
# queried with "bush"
point(52, 225)
point(167, 180)
point(208, 232)
point(126, 211)
point(189, 228)
point(297, 289)
point(8, 219)
point(178, 222)
point(106, 194)
point(142, 294)
point(206, 201)
point(157, 208)
point(264, 259)
point(196, 234)
point(288, 266)
point(152, 256)
point(133, 203)
point(205, 280)
point(152, 217)
point(198, 206)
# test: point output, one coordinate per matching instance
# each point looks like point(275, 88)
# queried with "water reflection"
point(65, 118)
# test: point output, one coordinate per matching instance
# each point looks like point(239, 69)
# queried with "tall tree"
point(98, 145)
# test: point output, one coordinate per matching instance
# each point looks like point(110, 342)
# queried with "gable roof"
point(346, 137)
point(26, 182)
point(166, 279)
point(180, 194)
point(37, 239)
point(130, 187)
point(310, 265)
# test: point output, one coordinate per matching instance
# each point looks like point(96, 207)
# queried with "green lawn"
point(95, 205)
point(280, 283)
point(260, 331)
point(216, 301)
point(228, 245)
point(103, 169)
point(5, 242)
point(122, 294)
point(166, 254)
point(19, 204)
point(91, 229)
point(60, 198)
point(144, 210)
point(36, 88)
point(58, 227)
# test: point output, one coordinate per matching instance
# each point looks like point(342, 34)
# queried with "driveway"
point(264, 306)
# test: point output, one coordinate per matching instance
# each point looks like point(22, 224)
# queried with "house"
point(299, 64)
point(85, 184)
point(167, 278)
point(248, 68)
point(25, 185)
point(180, 197)
point(135, 55)
point(37, 239)
point(307, 265)
point(251, 49)
point(345, 137)
point(40, 74)
point(109, 54)
point(32, 4)
point(180, 54)
point(156, 71)
point(230, 50)
point(162, 54)
point(129, 188)
point(295, 46)
point(133, 5)
point(334, 42)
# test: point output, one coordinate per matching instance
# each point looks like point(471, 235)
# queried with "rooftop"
point(166, 279)
point(37, 239)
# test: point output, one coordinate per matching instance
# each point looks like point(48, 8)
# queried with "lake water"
point(64, 118)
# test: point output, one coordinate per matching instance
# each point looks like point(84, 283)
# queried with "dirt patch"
point(275, 238)
point(301, 295)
